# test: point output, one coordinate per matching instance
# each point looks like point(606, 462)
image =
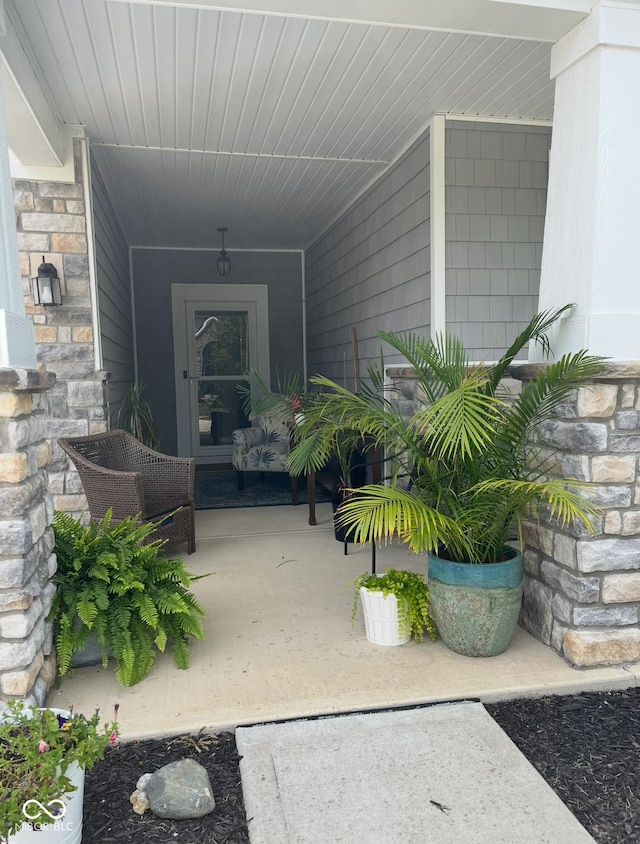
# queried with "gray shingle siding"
point(370, 271)
point(114, 296)
point(495, 198)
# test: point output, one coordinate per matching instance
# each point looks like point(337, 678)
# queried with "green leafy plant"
point(412, 595)
point(37, 748)
point(282, 404)
point(462, 470)
point(114, 581)
point(287, 404)
point(135, 416)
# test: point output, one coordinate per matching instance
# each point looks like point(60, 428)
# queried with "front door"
point(220, 333)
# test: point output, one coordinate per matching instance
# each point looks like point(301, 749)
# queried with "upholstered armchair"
point(264, 447)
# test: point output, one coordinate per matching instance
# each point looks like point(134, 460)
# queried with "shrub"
point(114, 581)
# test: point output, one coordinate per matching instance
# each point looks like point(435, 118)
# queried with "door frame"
point(253, 298)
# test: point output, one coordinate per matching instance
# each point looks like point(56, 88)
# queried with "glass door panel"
point(219, 411)
point(221, 351)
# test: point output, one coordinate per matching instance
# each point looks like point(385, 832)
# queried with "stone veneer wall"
point(51, 221)
point(582, 591)
point(27, 562)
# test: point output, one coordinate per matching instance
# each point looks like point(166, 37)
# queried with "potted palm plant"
point(463, 472)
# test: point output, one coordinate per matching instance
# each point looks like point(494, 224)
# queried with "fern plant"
point(115, 582)
point(412, 594)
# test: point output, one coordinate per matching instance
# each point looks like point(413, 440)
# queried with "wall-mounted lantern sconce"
point(46, 285)
point(224, 261)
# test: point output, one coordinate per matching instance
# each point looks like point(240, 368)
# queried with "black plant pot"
point(342, 533)
point(346, 535)
point(91, 654)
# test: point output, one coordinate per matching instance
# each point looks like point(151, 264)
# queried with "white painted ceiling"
point(269, 125)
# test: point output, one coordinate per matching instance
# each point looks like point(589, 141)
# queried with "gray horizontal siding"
point(114, 298)
point(495, 196)
point(155, 270)
point(370, 271)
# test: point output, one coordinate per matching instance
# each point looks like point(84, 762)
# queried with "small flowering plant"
point(37, 749)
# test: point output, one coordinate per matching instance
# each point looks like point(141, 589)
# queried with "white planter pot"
point(381, 618)
point(67, 829)
point(64, 830)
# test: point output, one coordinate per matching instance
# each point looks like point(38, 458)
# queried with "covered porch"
point(392, 171)
point(279, 642)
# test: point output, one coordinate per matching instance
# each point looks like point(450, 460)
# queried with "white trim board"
point(437, 161)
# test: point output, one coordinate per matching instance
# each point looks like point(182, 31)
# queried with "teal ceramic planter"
point(476, 607)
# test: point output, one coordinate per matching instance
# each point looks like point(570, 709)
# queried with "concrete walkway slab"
point(445, 774)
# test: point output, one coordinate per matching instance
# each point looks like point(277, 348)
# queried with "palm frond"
point(377, 512)
point(562, 496)
point(463, 421)
point(336, 421)
point(440, 364)
point(543, 395)
point(537, 331)
point(260, 400)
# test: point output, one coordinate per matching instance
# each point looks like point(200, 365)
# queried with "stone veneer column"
point(582, 591)
point(27, 668)
point(51, 220)
point(27, 562)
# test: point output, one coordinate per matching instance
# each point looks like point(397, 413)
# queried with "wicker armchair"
point(121, 474)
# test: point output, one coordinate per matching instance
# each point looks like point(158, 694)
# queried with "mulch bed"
point(108, 816)
point(587, 747)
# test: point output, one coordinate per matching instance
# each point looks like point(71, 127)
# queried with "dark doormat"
point(219, 490)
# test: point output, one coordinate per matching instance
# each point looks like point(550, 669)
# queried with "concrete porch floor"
point(279, 642)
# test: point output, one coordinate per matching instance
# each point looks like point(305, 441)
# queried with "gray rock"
point(609, 496)
point(180, 790)
point(624, 442)
point(537, 616)
point(609, 555)
point(76, 264)
point(583, 437)
point(627, 420)
point(604, 616)
point(586, 590)
point(143, 782)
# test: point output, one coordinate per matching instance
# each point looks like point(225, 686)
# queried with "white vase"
point(66, 829)
point(381, 618)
